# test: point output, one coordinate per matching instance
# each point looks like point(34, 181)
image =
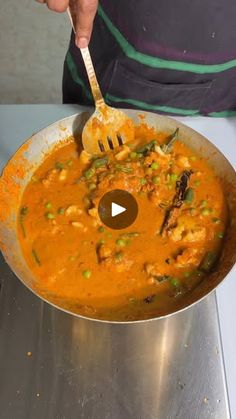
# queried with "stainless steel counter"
point(54, 366)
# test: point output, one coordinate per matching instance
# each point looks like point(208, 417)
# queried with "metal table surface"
point(55, 366)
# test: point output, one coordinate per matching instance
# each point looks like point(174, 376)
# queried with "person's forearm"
point(85, 13)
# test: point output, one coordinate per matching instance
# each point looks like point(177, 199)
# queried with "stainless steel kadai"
point(32, 153)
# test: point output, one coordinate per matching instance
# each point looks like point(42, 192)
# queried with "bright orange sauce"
point(105, 273)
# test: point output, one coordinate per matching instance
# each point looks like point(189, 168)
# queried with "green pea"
point(220, 235)
point(101, 241)
point(203, 203)
point(121, 242)
point(101, 229)
point(156, 180)
point(48, 205)
point(49, 215)
point(133, 155)
point(174, 282)
point(87, 274)
point(192, 211)
point(143, 181)
point(173, 177)
point(155, 165)
point(205, 212)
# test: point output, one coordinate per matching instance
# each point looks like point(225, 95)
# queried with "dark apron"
point(165, 56)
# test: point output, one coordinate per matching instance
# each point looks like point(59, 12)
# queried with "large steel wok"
point(21, 166)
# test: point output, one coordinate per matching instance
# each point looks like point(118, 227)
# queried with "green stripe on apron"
point(139, 104)
point(156, 62)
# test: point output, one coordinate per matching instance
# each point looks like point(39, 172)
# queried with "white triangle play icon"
point(116, 209)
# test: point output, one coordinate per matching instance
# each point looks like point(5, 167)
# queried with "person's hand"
point(85, 11)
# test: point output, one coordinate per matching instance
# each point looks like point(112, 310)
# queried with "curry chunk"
point(189, 256)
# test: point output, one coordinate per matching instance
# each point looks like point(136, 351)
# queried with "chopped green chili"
point(35, 256)
point(23, 213)
point(147, 147)
point(208, 261)
point(124, 169)
point(61, 211)
point(189, 195)
point(59, 165)
point(101, 162)
point(167, 146)
point(89, 173)
point(162, 278)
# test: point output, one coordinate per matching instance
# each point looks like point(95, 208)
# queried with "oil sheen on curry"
point(139, 272)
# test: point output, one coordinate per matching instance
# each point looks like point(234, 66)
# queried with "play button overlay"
point(118, 209)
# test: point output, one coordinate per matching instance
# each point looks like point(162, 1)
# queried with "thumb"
point(86, 10)
point(58, 5)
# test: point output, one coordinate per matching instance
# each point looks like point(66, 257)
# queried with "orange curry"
point(126, 274)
